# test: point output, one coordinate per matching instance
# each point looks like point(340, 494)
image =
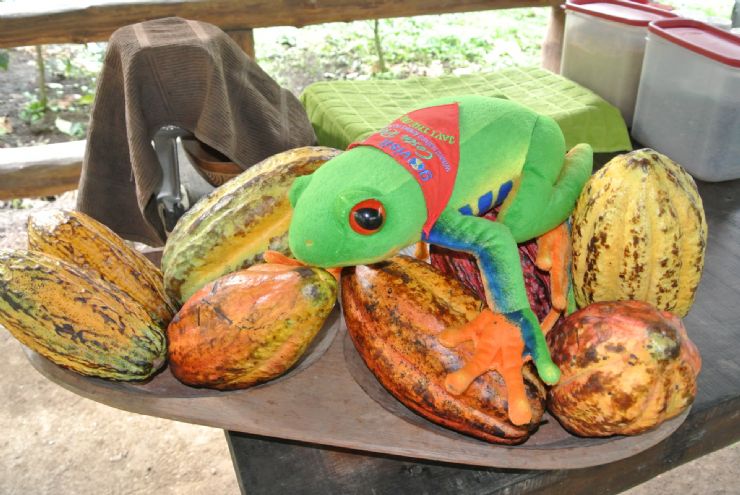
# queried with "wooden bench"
point(26, 173)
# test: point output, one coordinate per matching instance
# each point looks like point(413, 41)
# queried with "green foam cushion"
point(345, 111)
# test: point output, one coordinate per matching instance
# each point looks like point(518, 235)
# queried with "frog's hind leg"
point(548, 187)
point(498, 259)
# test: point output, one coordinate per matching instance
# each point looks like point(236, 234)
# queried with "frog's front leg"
point(498, 259)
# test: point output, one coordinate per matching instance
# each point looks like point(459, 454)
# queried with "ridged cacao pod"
point(249, 326)
point(463, 267)
point(77, 320)
point(626, 367)
point(639, 233)
point(395, 311)
point(229, 229)
point(81, 240)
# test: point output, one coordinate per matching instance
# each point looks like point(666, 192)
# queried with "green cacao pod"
point(229, 229)
point(77, 320)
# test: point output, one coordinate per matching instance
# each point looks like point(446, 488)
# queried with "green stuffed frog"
point(363, 207)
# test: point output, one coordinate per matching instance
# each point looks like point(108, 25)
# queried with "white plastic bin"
point(603, 47)
point(688, 105)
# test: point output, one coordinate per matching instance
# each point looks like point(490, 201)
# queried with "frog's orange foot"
point(452, 337)
point(421, 252)
point(498, 346)
point(553, 255)
point(550, 320)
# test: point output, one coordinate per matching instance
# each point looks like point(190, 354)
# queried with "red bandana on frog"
point(425, 142)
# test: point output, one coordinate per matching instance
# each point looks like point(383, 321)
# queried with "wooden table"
point(268, 466)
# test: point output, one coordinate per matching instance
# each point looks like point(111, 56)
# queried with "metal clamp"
point(172, 200)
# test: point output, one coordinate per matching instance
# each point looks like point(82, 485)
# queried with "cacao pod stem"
point(277, 258)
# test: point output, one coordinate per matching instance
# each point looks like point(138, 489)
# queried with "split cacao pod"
point(229, 229)
point(464, 267)
point(639, 233)
point(81, 240)
point(77, 320)
point(249, 326)
point(626, 367)
point(395, 311)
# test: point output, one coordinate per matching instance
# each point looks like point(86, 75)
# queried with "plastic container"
point(688, 105)
point(603, 47)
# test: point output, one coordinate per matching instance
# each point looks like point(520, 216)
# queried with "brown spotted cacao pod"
point(626, 367)
point(81, 240)
point(249, 326)
point(395, 311)
point(639, 233)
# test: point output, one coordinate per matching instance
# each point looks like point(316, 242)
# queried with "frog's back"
point(494, 140)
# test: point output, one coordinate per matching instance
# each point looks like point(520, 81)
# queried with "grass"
point(424, 45)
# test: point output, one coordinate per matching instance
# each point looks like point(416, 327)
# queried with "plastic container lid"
point(633, 14)
point(700, 38)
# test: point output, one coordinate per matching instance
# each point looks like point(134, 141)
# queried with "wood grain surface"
point(332, 399)
point(40, 170)
point(73, 21)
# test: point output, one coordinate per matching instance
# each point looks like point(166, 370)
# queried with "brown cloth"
point(185, 73)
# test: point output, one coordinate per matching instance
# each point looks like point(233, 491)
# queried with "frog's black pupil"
point(369, 218)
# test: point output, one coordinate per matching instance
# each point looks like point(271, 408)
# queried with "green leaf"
point(86, 99)
point(74, 129)
point(33, 111)
point(4, 59)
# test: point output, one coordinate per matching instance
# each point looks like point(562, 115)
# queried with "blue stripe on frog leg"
point(503, 192)
point(497, 255)
point(466, 210)
point(495, 250)
point(485, 202)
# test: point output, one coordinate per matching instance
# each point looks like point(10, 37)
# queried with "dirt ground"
point(55, 442)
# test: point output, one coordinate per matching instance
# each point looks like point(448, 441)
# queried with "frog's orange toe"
point(457, 383)
point(519, 411)
point(553, 255)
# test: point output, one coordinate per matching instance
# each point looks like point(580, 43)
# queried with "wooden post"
point(552, 46)
point(245, 39)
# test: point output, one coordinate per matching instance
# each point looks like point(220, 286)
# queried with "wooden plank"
point(266, 466)
point(713, 423)
point(35, 23)
point(40, 170)
point(245, 39)
point(324, 401)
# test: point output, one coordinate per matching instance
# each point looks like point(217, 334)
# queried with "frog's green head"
point(360, 207)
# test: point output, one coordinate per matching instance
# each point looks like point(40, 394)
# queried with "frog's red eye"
point(367, 217)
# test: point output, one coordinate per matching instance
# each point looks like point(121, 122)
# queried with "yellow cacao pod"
point(81, 240)
point(639, 233)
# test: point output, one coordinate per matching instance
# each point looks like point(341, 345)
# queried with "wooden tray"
point(331, 398)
